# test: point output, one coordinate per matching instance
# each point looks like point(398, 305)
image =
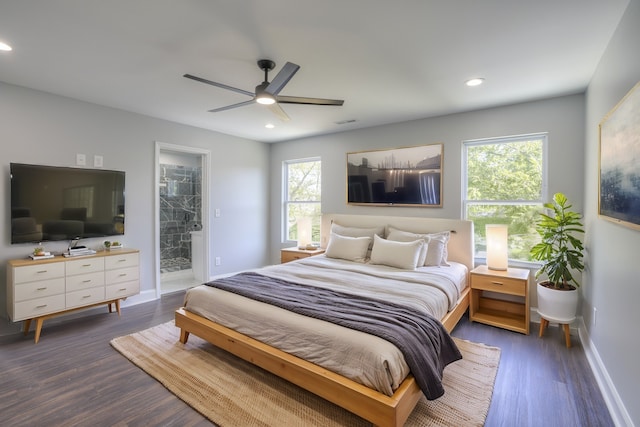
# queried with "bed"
point(257, 332)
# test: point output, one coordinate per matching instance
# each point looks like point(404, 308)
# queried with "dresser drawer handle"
point(86, 281)
point(122, 260)
point(86, 265)
point(497, 283)
point(122, 289)
point(42, 271)
point(42, 289)
point(41, 306)
point(86, 296)
point(122, 274)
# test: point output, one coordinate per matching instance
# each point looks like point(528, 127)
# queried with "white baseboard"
point(618, 412)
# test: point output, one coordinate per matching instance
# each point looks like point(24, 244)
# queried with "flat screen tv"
point(51, 203)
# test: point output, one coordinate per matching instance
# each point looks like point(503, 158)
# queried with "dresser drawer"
point(85, 297)
point(39, 289)
point(84, 281)
point(121, 261)
point(121, 275)
point(38, 307)
point(31, 273)
point(85, 265)
point(124, 289)
point(503, 285)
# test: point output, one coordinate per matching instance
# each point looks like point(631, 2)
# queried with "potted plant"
point(561, 253)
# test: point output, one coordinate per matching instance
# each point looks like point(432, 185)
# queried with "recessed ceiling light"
point(474, 82)
point(269, 125)
point(5, 47)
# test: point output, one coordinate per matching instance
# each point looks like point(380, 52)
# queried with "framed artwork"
point(409, 176)
point(619, 184)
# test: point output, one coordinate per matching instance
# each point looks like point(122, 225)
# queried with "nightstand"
point(509, 306)
point(292, 254)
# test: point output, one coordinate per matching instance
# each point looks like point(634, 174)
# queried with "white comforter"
point(364, 358)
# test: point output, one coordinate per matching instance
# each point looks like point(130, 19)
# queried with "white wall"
point(612, 277)
point(562, 118)
point(40, 128)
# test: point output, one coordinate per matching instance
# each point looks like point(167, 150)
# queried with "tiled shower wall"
point(180, 211)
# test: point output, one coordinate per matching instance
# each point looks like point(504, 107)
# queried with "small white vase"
point(557, 306)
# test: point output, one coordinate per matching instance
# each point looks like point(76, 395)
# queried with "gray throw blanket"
point(425, 343)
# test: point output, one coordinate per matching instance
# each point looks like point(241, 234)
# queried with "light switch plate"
point(98, 161)
point(81, 160)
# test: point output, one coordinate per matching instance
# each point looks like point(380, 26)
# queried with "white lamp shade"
point(304, 232)
point(497, 249)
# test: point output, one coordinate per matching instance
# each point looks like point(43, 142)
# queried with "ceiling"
point(391, 61)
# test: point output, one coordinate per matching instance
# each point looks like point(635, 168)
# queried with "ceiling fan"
point(267, 93)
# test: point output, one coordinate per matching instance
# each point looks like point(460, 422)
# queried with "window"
point(505, 183)
point(302, 196)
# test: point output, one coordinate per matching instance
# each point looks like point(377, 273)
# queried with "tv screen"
point(62, 203)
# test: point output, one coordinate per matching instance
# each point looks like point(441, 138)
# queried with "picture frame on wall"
point(619, 182)
point(406, 176)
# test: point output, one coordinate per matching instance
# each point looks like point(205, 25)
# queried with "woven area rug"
point(231, 392)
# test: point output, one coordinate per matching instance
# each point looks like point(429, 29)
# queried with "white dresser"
point(41, 289)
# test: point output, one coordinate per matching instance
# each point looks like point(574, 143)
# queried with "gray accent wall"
point(611, 283)
point(562, 118)
point(42, 128)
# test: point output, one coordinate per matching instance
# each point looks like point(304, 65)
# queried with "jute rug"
point(231, 392)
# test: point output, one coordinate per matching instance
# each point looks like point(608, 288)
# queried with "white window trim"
point(285, 192)
point(544, 136)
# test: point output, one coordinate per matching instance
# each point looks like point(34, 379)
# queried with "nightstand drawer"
point(504, 285)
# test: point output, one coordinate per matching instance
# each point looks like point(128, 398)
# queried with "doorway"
point(181, 217)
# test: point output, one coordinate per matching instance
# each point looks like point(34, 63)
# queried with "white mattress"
point(366, 359)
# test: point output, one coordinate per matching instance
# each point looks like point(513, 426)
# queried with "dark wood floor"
point(74, 377)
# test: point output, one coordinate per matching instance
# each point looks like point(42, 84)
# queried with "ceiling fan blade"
point(282, 78)
point(278, 111)
point(229, 107)
point(223, 86)
point(311, 101)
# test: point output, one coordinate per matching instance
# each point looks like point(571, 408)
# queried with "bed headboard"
point(461, 246)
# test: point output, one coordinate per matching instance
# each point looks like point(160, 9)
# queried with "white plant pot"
point(557, 306)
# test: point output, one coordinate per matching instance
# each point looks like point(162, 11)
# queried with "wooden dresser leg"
point(39, 322)
point(567, 335)
point(118, 306)
point(26, 325)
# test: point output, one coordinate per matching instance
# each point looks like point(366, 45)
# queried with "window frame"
point(284, 238)
point(544, 137)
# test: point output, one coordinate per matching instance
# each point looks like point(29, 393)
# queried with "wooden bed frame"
point(376, 407)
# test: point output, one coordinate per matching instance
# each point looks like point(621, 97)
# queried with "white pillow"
point(349, 248)
point(437, 252)
point(402, 255)
point(404, 236)
point(357, 231)
point(446, 235)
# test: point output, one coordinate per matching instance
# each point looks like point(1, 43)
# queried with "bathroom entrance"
point(182, 222)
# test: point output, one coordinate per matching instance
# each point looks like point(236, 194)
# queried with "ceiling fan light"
point(265, 99)
point(5, 47)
